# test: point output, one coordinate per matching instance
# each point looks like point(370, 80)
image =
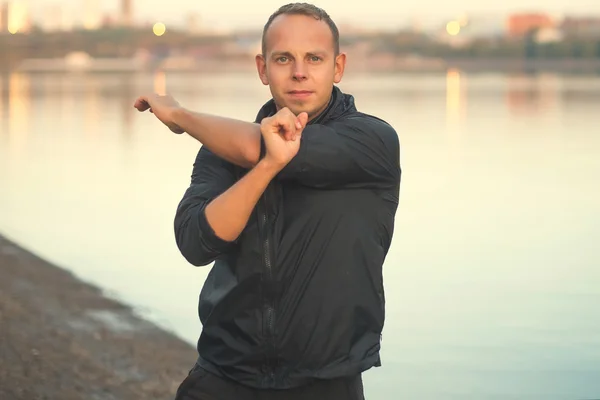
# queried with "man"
point(297, 212)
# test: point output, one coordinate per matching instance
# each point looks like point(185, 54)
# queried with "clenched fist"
point(163, 107)
point(282, 134)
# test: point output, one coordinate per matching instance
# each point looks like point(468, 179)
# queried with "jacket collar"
point(339, 104)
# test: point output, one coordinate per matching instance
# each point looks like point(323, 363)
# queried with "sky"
point(228, 14)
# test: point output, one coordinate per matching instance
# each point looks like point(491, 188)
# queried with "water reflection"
point(92, 107)
point(4, 105)
point(532, 96)
point(455, 98)
point(549, 88)
point(19, 110)
point(520, 101)
point(493, 257)
point(126, 99)
point(160, 82)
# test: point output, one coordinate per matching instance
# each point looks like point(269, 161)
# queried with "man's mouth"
point(300, 93)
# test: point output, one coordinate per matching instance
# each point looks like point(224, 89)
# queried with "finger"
point(287, 115)
point(280, 129)
point(302, 120)
point(300, 124)
point(291, 130)
point(285, 126)
point(141, 104)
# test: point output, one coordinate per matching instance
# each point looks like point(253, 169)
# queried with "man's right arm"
point(228, 214)
point(196, 239)
point(215, 209)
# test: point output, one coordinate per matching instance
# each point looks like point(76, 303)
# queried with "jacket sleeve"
point(195, 238)
point(358, 152)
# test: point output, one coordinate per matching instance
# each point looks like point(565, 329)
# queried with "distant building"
point(54, 19)
point(548, 35)
point(92, 19)
point(127, 12)
point(586, 27)
point(4, 17)
point(193, 22)
point(519, 25)
point(483, 26)
point(108, 21)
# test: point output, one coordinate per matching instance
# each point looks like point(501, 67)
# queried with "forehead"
point(298, 33)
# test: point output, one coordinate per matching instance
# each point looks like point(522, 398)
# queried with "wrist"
point(270, 166)
point(177, 115)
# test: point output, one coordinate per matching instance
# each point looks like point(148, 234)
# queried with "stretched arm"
point(236, 141)
point(357, 152)
point(233, 140)
point(361, 151)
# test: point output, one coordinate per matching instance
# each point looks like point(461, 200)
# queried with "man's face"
point(299, 63)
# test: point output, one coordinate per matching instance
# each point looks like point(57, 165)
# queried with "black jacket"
point(299, 295)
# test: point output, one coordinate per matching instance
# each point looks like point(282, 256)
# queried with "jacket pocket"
point(195, 376)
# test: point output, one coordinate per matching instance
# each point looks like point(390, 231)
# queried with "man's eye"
point(282, 59)
point(315, 58)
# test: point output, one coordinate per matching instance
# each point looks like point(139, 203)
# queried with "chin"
point(299, 107)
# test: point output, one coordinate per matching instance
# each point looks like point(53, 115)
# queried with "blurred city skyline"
point(100, 39)
point(379, 14)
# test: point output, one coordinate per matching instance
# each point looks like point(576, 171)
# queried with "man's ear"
point(340, 66)
point(261, 67)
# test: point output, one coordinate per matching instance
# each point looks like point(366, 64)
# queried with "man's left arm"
point(232, 140)
point(357, 152)
point(361, 152)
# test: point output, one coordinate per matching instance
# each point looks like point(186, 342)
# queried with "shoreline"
point(382, 65)
point(62, 338)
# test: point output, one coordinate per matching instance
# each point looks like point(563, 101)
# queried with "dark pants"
point(202, 385)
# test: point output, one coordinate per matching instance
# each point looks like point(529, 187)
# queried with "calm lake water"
point(493, 278)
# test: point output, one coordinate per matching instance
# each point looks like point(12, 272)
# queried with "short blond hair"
point(303, 9)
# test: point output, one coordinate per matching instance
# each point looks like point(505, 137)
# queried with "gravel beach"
point(63, 339)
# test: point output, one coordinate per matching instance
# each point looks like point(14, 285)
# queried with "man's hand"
point(282, 134)
point(163, 107)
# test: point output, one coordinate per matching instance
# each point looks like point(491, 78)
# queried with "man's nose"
point(299, 71)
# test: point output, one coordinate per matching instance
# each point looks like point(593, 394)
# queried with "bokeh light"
point(159, 29)
point(453, 28)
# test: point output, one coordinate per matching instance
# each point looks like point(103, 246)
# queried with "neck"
point(320, 111)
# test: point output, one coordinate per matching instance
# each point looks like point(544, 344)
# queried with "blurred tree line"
point(500, 47)
point(120, 42)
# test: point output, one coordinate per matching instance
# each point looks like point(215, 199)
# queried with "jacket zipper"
point(269, 281)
